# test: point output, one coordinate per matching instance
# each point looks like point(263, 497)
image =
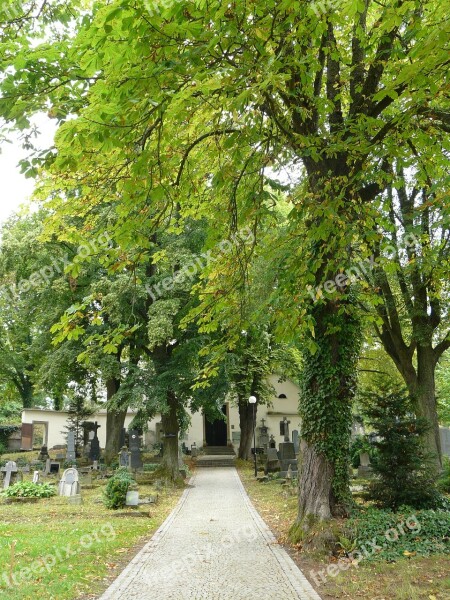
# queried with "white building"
point(41, 426)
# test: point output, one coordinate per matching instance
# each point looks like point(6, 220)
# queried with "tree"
point(78, 411)
point(401, 463)
point(409, 284)
point(201, 115)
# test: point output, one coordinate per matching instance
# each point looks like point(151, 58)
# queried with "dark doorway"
point(216, 431)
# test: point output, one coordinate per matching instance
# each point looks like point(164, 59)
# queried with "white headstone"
point(36, 477)
point(69, 484)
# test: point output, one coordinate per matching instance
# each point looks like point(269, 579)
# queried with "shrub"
point(402, 533)
point(28, 489)
point(117, 488)
point(404, 472)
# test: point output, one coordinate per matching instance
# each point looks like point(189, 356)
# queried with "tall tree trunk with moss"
point(327, 390)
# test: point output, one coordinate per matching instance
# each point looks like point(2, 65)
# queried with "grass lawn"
point(414, 578)
point(54, 550)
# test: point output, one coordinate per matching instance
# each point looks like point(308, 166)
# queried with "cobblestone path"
point(213, 546)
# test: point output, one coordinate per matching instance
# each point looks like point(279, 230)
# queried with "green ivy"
point(328, 386)
point(406, 532)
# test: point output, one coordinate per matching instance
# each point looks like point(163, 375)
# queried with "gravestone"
point(296, 441)
point(444, 433)
point(287, 451)
point(71, 454)
point(9, 471)
point(51, 467)
point(288, 458)
point(263, 437)
point(94, 453)
point(284, 429)
point(272, 464)
point(132, 498)
point(272, 442)
point(36, 477)
point(124, 457)
point(95, 465)
point(135, 450)
point(43, 455)
point(123, 438)
point(364, 469)
point(69, 484)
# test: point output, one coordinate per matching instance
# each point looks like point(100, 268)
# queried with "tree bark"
point(315, 483)
point(115, 420)
point(170, 440)
point(246, 425)
point(425, 394)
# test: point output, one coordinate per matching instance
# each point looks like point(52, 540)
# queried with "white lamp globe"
point(252, 400)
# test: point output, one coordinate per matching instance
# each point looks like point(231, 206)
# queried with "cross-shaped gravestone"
point(9, 470)
point(94, 453)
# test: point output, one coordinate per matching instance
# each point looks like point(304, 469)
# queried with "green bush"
point(397, 534)
point(444, 480)
point(117, 488)
point(28, 489)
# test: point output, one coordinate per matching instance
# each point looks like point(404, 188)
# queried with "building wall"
point(56, 421)
point(281, 407)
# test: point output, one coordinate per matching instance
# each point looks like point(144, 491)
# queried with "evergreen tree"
point(404, 470)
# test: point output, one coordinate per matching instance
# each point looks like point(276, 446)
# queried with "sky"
point(15, 189)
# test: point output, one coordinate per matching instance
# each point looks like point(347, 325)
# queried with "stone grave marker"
point(444, 433)
point(135, 450)
point(124, 458)
point(296, 441)
point(36, 477)
point(364, 470)
point(94, 453)
point(132, 498)
point(71, 454)
point(287, 458)
point(9, 471)
point(43, 454)
point(69, 484)
point(272, 463)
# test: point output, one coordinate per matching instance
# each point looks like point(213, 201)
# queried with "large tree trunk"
point(170, 440)
point(246, 417)
point(426, 400)
point(115, 420)
point(327, 391)
point(315, 483)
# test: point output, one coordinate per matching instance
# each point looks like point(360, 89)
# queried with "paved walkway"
point(214, 546)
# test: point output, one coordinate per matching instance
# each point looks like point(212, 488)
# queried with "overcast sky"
point(15, 189)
